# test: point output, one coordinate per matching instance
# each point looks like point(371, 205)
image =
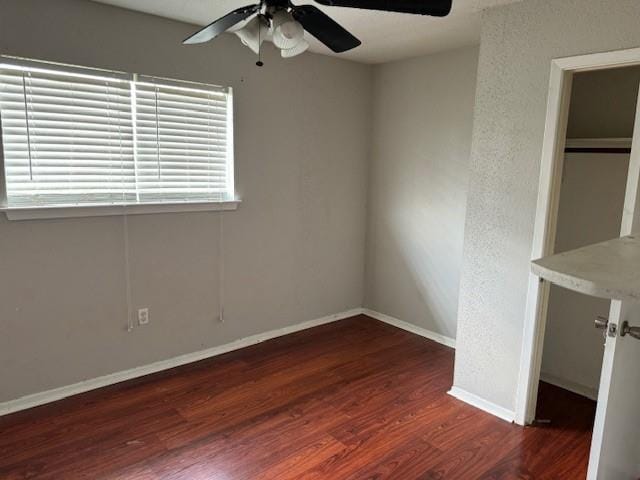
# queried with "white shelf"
point(609, 269)
point(598, 142)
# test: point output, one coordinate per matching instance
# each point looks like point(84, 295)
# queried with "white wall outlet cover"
point(143, 316)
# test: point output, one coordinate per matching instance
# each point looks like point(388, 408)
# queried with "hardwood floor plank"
point(351, 400)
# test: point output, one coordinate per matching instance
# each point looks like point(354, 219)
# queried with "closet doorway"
point(592, 193)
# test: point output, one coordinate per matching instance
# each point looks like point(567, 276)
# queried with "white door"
point(615, 449)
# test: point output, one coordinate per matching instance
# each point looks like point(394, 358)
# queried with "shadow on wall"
point(418, 187)
point(430, 266)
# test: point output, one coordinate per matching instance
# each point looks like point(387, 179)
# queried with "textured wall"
point(518, 43)
point(292, 252)
point(423, 116)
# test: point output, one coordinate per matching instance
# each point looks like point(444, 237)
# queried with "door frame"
point(551, 167)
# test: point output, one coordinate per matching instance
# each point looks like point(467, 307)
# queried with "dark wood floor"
point(355, 399)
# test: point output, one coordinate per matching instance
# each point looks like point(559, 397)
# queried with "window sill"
point(36, 213)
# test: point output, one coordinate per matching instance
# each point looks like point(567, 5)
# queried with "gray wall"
point(603, 103)
point(423, 116)
point(292, 252)
point(518, 43)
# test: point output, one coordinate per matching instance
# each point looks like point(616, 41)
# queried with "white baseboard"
point(590, 393)
point(483, 404)
point(48, 396)
point(409, 327)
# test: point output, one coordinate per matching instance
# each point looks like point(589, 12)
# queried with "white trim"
point(489, 407)
point(48, 396)
point(600, 61)
point(30, 213)
point(562, 71)
point(409, 327)
point(550, 181)
point(582, 390)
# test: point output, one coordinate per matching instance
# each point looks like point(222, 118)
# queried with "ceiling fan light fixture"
point(287, 32)
point(253, 33)
point(290, 22)
point(301, 47)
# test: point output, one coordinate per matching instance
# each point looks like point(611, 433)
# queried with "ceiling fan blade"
point(436, 8)
point(221, 25)
point(318, 24)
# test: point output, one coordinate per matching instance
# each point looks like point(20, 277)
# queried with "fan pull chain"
point(259, 63)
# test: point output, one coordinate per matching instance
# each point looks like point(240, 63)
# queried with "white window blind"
point(182, 141)
point(74, 136)
point(67, 137)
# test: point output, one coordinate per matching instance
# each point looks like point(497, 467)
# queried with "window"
point(83, 137)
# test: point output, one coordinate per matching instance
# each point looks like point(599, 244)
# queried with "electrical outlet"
point(143, 316)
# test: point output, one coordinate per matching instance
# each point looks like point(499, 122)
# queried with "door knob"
point(629, 330)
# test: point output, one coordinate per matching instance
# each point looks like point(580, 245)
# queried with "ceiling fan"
point(286, 23)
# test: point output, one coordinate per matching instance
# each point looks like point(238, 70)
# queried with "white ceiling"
point(385, 36)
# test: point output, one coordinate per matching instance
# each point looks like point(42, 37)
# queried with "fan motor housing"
point(278, 3)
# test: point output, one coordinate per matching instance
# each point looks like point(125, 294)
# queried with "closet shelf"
point(609, 269)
